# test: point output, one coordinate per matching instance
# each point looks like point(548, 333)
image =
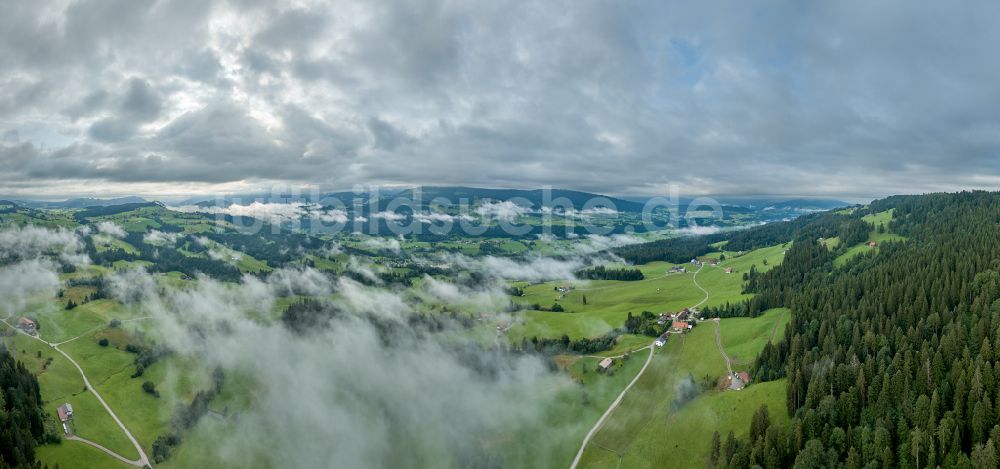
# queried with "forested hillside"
point(892, 360)
point(21, 415)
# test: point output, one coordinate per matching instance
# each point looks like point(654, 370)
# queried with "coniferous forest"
point(893, 359)
point(21, 414)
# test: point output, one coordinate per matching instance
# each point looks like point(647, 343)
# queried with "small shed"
point(605, 364)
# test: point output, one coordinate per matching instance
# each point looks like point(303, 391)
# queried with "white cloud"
point(383, 244)
point(25, 281)
point(159, 237)
point(273, 213)
point(438, 217)
point(388, 216)
point(32, 241)
point(504, 210)
point(111, 229)
point(328, 383)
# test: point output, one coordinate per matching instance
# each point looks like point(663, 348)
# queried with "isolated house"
point(27, 325)
point(605, 364)
point(743, 376)
point(872, 244)
point(729, 270)
point(65, 412)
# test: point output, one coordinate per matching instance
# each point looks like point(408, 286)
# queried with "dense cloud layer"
point(27, 269)
point(341, 395)
point(845, 98)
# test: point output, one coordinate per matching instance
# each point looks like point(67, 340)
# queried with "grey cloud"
point(845, 98)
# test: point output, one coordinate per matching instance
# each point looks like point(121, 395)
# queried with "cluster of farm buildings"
point(680, 322)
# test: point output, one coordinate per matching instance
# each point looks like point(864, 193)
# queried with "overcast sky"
point(845, 98)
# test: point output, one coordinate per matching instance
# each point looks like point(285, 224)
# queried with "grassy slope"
point(549, 442)
point(60, 383)
point(609, 302)
point(877, 219)
point(634, 434)
point(70, 454)
point(684, 438)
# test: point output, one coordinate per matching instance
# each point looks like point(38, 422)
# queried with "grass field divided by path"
point(110, 371)
point(634, 435)
point(70, 454)
point(609, 301)
point(58, 324)
point(60, 382)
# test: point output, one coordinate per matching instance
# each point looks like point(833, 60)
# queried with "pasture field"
point(688, 365)
point(60, 383)
point(608, 302)
point(683, 439)
point(877, 219)
point(69, 454)
point(59, 324)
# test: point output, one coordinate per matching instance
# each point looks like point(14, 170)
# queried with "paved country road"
point(108, 451)
point(614, 405)
point(143, 459)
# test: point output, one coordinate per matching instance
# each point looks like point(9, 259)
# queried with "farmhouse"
point(27, 325)
point(503, 325)
point(872, 244)
point(677, 269)
point(680, 326)
point(564, 288)
point(739, 380)
point(605, 364)
point(65, 412)
point(662, 340)
point(729, 270)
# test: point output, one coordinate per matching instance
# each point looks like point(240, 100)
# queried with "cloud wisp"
point(328, 384)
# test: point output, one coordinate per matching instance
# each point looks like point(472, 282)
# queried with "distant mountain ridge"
point(455, 194)
point(534, 197)
point(82, 202)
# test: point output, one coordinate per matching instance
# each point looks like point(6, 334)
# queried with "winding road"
point(607, 413)
point(143, 460)
point(614, 405)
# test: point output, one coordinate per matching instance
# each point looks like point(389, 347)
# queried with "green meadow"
point(877, 220)
point(608, 302)
point(634, 435)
